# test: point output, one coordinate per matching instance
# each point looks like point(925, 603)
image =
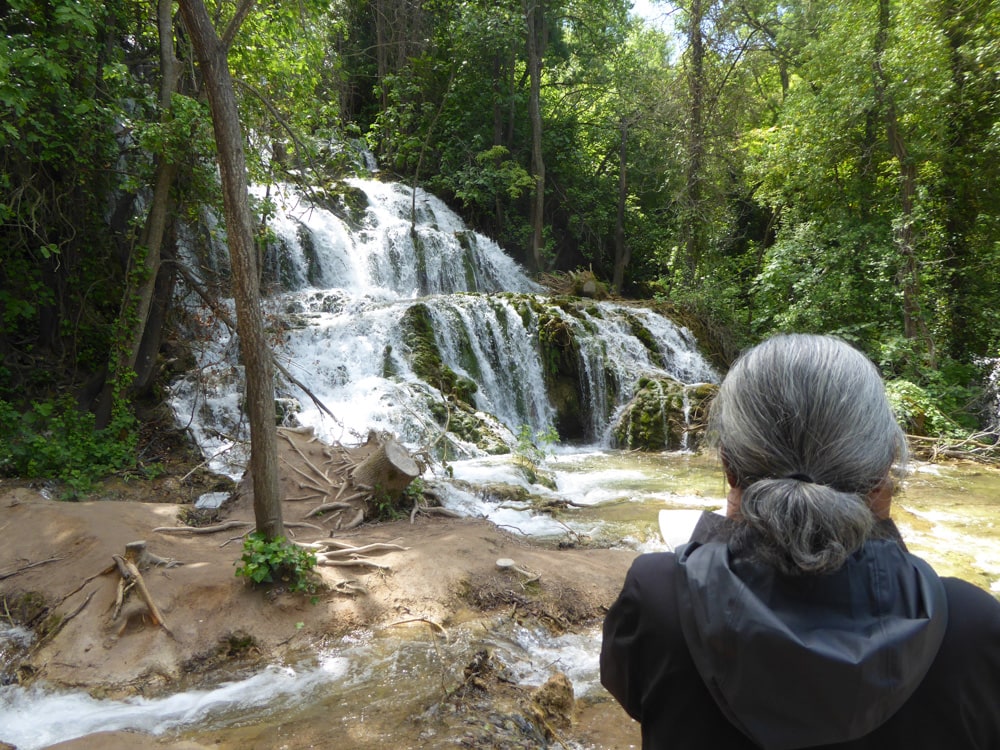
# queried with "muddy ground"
point(59, 578)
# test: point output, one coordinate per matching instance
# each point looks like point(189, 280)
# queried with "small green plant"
point(276, 560)
point(414, 491)
point(534, 447)
point(386, 507)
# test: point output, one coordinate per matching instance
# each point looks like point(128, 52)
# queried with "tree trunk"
point(691, 227)
point(134, 319)
point(212, 55)
point(908, 276)
point(535, 20)
point(389, 470)
point(622, 251)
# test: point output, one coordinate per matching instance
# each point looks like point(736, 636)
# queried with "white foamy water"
point(382, 673)
point(36, 718)
point(346, 280)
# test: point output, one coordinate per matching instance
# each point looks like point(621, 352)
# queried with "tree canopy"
point(761, 167)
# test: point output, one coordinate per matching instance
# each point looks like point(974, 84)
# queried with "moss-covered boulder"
point(663, 414)
point(462, 423)
point(560, 354)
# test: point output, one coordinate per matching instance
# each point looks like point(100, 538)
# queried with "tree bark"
point(212, 55)
point(622, 250)
point(535, 21)
point(908, 276)
point(693, 232)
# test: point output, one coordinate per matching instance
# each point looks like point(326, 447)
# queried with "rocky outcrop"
point(663, 415)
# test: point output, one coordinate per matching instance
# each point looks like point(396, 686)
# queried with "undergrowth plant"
point(275, 561)
point(53, 439)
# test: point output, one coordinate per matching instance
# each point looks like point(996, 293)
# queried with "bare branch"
point(242, 11)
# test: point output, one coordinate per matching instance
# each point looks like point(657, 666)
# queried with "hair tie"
point(801, 478)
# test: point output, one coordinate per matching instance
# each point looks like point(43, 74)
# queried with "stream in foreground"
point(390, 687)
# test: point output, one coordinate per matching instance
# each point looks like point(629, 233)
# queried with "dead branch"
point(130, 573)
point(435, 627)
point(222, 315)
point(78, 609)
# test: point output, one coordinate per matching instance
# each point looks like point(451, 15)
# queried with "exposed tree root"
point(202, 529)
point(29, 566)
point(436, 628)
point(321, 559)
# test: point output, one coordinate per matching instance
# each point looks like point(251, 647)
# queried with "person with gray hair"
point(800, 620)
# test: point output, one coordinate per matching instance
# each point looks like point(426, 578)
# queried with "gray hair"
point(805, 430)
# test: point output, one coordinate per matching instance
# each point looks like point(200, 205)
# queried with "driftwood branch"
point(983, 447)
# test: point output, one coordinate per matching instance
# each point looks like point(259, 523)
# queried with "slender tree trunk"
point(693, 231)
point(141, 283)
point(962, 193)
point(622, 250)
point(535, 20)
point(908, 276)
point(212, 55)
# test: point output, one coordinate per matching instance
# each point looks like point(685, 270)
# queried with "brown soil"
point(58, 578)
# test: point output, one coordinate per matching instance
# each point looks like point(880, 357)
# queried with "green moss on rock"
point(663, 414)
point(425, 359)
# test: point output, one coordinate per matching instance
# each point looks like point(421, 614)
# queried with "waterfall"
point(346, 273)
point(992, 420)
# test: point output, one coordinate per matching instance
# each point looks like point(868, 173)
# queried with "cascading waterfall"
point(349, 269)
point(484, 338)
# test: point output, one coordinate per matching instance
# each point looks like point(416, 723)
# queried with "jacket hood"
point(800, 661)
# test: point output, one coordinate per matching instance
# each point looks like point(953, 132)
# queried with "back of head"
point(805, 430)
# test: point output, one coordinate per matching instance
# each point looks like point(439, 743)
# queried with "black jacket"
point(710, 649)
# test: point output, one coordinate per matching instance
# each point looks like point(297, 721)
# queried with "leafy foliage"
point(276, 561)
point(917, 411)
point(55, 440)
point(826, 134)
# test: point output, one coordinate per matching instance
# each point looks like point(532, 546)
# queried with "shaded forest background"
point(762, 167)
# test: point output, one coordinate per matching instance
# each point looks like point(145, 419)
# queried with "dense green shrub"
point(55, 440)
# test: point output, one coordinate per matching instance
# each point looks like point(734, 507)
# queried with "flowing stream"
point(372, 688)
point(345, 282)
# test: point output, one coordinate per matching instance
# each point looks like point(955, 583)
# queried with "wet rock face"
point(554, 703)
point(664, 415)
